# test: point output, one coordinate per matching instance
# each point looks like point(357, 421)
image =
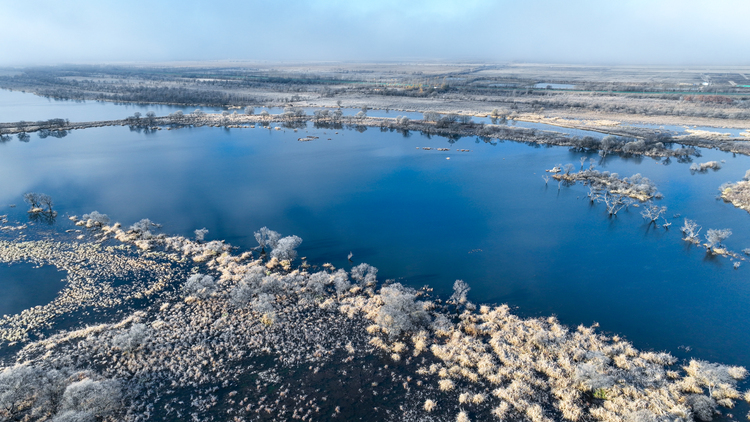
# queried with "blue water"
point(417, 216)
point(545, 85)
point(23, 286)
point(16, 106)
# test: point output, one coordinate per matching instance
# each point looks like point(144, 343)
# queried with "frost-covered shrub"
point(720, 380)
point(143, 228)
point(634, 146)
point(99, 398)
point(199, 285)
point(400, 311)
point(95, 219)
point(588, 375)
point(285, 248)
point(131, 339)
point(75, 416)
point(317, 282)
point(441, 325)
point(642, 415)
point(703, 167)
point(263, 304)
point(365, 274)
point(200, 234)
point(341, 282)
point(241, 294)
point(703, 407)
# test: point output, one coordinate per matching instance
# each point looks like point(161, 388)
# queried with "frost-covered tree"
point(460, 290)
point(365, 274)
point(266, 238)
point(285, 248)
point(263, 304)
point(652, 212)
point(30, 393)
point(691, 229)
point(249, 110)
point(200, 234)
point(400, 311)
point(130, 340)
point(98, 398)
point(568, 168)
point(720, 380)
point(199, 285)
point(341, 282)
point(714, 237)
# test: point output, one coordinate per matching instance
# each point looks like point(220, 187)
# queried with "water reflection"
point(416, 216)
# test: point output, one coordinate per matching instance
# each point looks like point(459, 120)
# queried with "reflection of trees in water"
point(47, 218)
point(59, 133)
point(144, 129)
point(295, 124)
point(328, 125)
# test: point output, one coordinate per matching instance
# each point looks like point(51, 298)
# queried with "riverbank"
point(250, 335)
point(640, 141)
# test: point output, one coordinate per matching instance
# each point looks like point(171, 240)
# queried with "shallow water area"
point(23, 286)
point(484, 216)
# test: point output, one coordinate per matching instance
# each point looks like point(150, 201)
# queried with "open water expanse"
point(483, 216)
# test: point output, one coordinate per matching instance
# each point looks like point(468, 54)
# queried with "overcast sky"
point(672, 32)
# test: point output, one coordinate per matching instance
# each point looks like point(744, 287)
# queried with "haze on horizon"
point(663, 32)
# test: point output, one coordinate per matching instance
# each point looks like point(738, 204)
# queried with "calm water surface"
point(485, 217)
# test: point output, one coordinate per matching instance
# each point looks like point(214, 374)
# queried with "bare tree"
point(614, 203)
point(714, 237)
point(652, 212)
point(583, 161)
point(568, 168)
point(546, 180)
point(46, 201)
point(32, 198)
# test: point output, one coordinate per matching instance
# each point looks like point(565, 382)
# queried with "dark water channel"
point(483, 216)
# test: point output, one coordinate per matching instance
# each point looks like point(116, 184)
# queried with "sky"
point(666, 32)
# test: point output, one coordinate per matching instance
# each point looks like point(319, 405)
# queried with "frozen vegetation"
point(203, 333)
point(737, 193)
